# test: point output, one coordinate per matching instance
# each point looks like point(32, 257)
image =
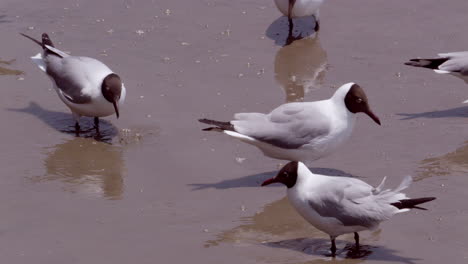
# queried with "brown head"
point(356, 102)
point(111, 89)
point(287, 175)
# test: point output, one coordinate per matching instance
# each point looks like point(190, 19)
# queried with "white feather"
point(39, 61)
point(441, 71)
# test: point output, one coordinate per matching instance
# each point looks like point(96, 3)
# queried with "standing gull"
point(341, 205)
point(300, 131)
point(454, 63)
point(299, 8)
point(87, 86)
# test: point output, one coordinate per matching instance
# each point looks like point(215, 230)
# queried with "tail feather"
point(412, 203)
point(219, 125)
point(46, 45)
point(379, 188)
point(46, 40)
point(33, 39)
point(427, 63)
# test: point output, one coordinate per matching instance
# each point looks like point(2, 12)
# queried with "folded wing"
point(73, 75)
point(355, 203)
point(289, 126)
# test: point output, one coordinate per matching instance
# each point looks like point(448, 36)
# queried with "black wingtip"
point(217, 129)
point(219, 125)
point(427, 63)
point(427, 199)
point(31, 38)
point(45, 40)
point(412, 203)
point(415, 63)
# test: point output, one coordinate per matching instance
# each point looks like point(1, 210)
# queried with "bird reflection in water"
point(278, 225)
point(87, 166)
point(277, 220)
point(300, 67)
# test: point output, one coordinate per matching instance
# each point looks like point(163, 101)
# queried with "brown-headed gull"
point(341, 205)
point(87, 86)
point(453, 63)
point(300, 131)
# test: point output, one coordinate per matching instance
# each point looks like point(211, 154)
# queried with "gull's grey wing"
point(56, 51)
point(289, 126)
point(351, 202)
point(458, 54)
point(457, 64)
point(70, 77)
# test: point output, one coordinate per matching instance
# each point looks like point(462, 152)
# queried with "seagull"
point(87, 86)
point(300, 131)
point(341, 205)
point(299, 8)
point(454, 63)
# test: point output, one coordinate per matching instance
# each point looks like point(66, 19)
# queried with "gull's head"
point(356, 102)
point(287, 175)
point(111, 90)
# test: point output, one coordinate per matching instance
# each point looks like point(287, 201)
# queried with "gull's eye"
point(359, 100)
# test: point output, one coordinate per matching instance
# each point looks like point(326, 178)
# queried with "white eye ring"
point(359, 100)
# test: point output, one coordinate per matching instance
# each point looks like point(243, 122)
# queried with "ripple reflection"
point(300, 67)
point(87, 166)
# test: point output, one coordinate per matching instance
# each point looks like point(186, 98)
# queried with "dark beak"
point(373, 116)
point(269, 181)
point(116, 108)
point(290, 7)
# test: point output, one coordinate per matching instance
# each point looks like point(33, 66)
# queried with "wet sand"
point(156, 188)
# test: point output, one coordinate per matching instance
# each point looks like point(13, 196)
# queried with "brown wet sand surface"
point(156, 189)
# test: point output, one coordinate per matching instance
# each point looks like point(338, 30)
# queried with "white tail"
point(404, 184)
point(39, 61)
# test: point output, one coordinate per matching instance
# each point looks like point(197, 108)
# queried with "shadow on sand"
point(3, 19)
point(279, 30)
point(257, 179)
point(320, 248)
point(64, 122)
point(461, 111)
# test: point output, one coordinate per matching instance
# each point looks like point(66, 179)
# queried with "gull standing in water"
point(87, 86)
point(341, 205)
point(453, 63)
point(300, 131)
point(299, 8)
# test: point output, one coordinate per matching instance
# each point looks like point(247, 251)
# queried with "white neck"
point(303, 174)
point(340, 94)
point(338, 101)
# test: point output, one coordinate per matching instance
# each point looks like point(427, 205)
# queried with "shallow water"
point(153, 187)
point(8, 71)
point(300, 68)
point(455, 162)
point(86, 166)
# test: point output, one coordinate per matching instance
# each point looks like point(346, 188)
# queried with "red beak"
point(269, 181)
